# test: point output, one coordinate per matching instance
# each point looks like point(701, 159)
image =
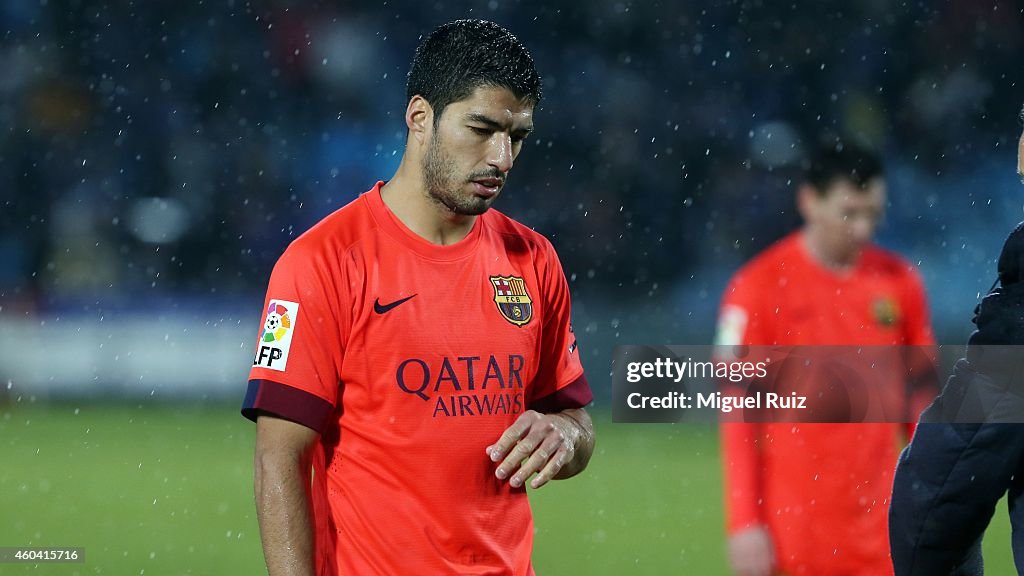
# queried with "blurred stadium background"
point(157, 157)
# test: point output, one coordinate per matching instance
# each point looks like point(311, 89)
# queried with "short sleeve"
point(295, 371)
point(560, 383)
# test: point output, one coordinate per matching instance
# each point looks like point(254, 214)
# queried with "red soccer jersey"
point(822, 489)
point(410, 358)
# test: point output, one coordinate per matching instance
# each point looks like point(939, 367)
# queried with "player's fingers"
point(562, 455)
point(511, 435)
point(523, 449)
point(538, 459)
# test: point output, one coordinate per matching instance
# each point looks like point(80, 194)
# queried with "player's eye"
point(480, 131)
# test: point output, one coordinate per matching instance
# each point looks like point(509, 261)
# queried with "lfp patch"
point(732, 326)
point(276, 339)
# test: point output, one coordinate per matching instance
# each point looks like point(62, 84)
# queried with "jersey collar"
point(394, 228)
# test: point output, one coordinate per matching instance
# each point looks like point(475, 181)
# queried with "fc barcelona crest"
point(887, 311)
point(513, 301)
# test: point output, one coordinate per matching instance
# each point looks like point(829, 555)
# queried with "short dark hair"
point(460, 56)
point(840, 160)
point(1022, 115)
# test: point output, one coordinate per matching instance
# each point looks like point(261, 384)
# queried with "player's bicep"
point(279, 437)
point(282, 467)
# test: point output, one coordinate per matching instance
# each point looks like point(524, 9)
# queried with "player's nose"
point(499, 152)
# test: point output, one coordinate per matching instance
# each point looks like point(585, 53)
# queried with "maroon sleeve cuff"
point(286, 402)
point(576, 394)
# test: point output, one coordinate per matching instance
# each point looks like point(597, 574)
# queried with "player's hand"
point(751, 552)
point(535, 443)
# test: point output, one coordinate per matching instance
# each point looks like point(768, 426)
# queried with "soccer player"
point(811, 498)
point(953, 473)
point(416, 366)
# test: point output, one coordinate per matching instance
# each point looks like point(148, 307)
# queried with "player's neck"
point(838, 264)
point(405, 195)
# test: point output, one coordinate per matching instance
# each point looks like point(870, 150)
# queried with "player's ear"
point(419, 118)
point(806, 200)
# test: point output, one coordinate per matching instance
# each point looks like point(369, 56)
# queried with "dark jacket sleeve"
point(969, 446)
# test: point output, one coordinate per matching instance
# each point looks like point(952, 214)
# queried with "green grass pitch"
point(152, 490)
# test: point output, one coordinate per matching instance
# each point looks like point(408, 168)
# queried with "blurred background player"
point(417, 353)
point(960, 464)
point(811, 498)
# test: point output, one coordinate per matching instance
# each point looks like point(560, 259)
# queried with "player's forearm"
point(583, 442)
point(283, 508)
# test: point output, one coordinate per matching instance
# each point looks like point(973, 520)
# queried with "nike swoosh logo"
point(384, 308)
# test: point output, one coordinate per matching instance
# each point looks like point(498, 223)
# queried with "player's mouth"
point(487, 187)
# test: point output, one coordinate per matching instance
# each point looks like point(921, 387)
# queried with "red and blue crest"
point(513, 300)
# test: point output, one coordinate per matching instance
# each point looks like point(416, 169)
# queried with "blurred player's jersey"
point(410, 359)
point(822, 489)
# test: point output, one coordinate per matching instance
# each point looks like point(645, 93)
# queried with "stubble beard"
point(443, 188)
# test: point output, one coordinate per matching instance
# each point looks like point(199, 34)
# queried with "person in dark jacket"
point(969, 448)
